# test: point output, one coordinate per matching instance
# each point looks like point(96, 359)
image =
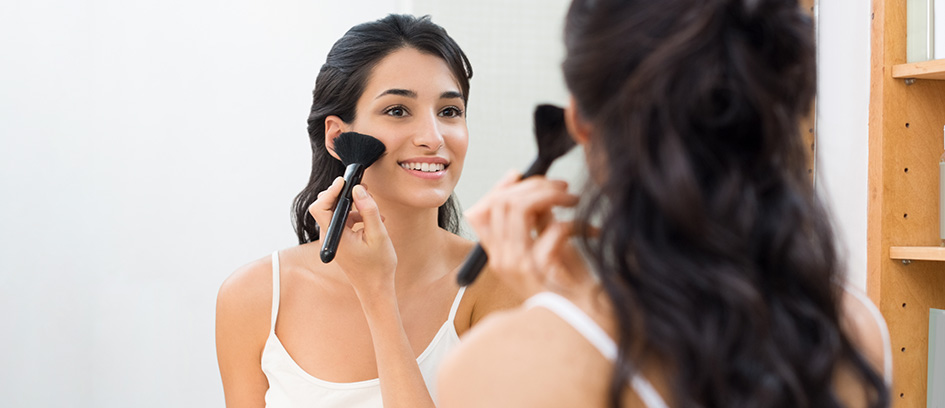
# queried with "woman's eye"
point(451, 112)
point(397, 111)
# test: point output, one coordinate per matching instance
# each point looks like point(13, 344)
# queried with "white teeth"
point(424, 167)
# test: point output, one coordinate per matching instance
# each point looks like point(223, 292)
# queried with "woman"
point(371, 327)
point(714, 278)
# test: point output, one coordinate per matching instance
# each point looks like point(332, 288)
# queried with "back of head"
point(714, 249)
point(342, 80)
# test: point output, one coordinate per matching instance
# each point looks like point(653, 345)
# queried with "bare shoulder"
point(520, 356)
point(245, 298)
point(866, 328)
point(486, 295)
point(242, 327)
point(497, 294)
point(490, 294)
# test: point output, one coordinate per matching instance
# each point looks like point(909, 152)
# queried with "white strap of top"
point(275, 290)
point(586, 326)
point(577, 319)
point(455, 306)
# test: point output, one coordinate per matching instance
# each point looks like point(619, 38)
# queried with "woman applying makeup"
point(369, 328)
point(703, 273)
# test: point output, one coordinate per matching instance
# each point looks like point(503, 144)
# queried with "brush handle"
point(352, 177)
point(471, 267)
point(539, 167)
point(477, 259)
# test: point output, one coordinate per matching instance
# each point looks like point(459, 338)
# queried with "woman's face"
point(414, 105)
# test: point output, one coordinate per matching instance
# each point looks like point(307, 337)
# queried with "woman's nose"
point(428, 134)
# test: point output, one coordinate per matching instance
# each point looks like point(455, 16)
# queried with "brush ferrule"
point(353, 174)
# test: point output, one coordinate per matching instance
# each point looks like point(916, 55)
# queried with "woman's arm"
point(368, 259)
point(242, 325)
point(402, 383)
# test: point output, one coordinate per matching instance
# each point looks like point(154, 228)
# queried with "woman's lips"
point(426, 168)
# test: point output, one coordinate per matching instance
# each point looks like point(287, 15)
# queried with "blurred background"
point(149, 148)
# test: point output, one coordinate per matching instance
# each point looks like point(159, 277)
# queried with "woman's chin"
point(431, 200)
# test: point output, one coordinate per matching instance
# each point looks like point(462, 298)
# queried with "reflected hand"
point(527, 247)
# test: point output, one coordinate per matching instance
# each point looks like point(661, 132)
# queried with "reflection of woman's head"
point(717, 255)
point(342, 80)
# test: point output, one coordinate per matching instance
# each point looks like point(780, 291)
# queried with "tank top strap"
point(591, 331)
point(455, 306)
point(275, 290)
point(579, 320)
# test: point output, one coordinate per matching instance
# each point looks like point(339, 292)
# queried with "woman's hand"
point(527, 247)
point(365, 254)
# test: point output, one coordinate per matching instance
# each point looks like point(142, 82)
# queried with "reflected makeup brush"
point(553, 142)
point(356, 151)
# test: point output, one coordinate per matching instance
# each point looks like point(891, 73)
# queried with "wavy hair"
point(342, 80)
point(713, 248)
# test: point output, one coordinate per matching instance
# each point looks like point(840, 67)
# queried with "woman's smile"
point(430, 168)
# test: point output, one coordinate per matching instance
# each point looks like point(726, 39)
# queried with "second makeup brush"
point(553, 142)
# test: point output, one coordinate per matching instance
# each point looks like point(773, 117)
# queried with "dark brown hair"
point(713, 248)
point(341, 82)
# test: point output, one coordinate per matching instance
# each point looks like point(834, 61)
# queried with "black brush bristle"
point(552, 136)
point(353, 147)
point(551, 132)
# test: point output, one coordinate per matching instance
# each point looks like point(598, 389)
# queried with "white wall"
point(843, 124)
point(148, 148)
point(516, 51)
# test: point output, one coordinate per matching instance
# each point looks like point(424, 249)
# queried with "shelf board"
point(917, 253)
point(934, 69)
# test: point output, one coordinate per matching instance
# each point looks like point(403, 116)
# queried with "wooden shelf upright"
point(905, 275)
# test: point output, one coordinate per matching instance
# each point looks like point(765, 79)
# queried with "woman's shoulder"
point(487, 295)
point(243, 310)
point(520, 355)
point(866, 328)
point(247, 293)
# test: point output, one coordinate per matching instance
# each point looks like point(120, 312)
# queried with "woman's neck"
point(421, 245)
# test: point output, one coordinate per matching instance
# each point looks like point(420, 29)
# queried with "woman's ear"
point(579, 129)
point(334, 127)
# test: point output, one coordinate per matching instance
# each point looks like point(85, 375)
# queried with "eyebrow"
point(411, 94)
point(400, 92)
point(451, 95)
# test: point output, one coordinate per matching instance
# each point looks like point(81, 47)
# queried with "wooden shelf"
point(905, 143)
point(934, 69)
point(915, 253)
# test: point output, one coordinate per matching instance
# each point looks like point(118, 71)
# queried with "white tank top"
point(291, 386)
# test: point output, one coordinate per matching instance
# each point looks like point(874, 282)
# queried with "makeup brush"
point(553, 142)
point(357, 152)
